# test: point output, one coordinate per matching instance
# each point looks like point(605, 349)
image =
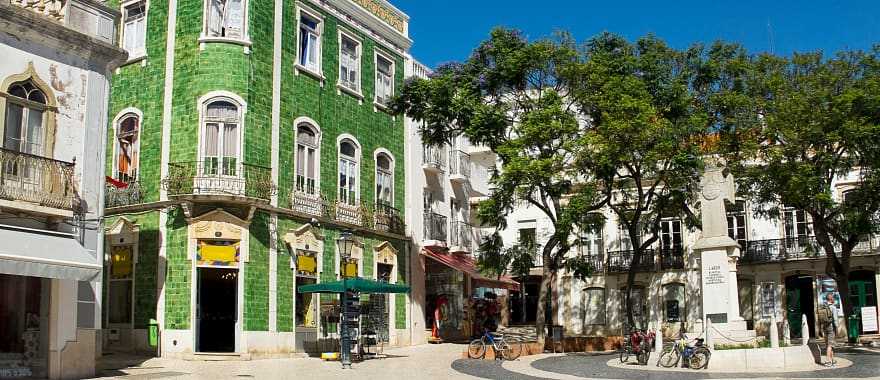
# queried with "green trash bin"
point(154, 333)
point(853, 328)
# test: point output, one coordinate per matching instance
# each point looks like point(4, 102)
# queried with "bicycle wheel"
point(669, 358)
point(512, 350)
point(642, 357)
point(624, 355)
point(476, 349)
point(700, 358)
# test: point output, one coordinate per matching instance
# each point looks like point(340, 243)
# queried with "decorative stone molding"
point(53, 9)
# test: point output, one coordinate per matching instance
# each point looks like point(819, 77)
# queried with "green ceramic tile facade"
point(178, 273)
point(256, 275)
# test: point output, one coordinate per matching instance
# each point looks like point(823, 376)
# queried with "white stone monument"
point(718, 255)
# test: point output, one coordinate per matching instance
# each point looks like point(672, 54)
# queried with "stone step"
point(220, 356)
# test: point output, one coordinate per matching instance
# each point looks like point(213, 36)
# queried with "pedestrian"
point(828, 323)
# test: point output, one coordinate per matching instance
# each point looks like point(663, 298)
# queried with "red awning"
point(465, 263)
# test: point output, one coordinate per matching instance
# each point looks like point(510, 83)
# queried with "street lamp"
point(345, 243)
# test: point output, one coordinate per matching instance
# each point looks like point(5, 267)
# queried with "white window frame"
point(137, 54)
point(356, 90)
point(296, 164)
point(206, 37)
point(122, 115)
point(242, 111)
point(735, 226)
point(357, 168)
point(302, 10)
point(376, 55)
point(390, 173)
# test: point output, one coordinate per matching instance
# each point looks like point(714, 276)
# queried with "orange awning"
point(465, 263)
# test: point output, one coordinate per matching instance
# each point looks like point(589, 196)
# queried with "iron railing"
point(461, 235)
point(40, 180)
point(435, 226)
point(671, 258)
point(620, 261)
point(388, 219)
point(131, 194)
point(311, 204)
point(459, 163)
point(796, 248)
point(206, 177)
point(596, 262)
point(434, 156)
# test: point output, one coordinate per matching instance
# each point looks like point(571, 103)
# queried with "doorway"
point(799, 297)
point(862, 292)
point(216, 309)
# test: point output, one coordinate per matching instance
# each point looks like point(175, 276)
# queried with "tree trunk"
point(522, 296)
point(544, 291)
point(837, 267)
point(630, 280)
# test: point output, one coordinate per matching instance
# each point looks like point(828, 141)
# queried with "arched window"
point(306, 159)
point(220, 138)
point(348, 172)
point(24, 124)
point(127, 147)
point(384, 180)
point(673, 302)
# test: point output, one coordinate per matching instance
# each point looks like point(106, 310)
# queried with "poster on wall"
point(825, 285)
point(869, 319)
point(768, 299)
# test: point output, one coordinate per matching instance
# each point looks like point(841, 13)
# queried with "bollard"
point(709, 341)
point(786, 332)
point(658, 338)
point(805, 330)
point(774, 332)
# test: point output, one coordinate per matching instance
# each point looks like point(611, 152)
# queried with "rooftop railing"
point(39, 180)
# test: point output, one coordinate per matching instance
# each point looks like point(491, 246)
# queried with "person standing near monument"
point(828, 322)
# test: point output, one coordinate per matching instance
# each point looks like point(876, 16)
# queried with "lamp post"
point(345, 243)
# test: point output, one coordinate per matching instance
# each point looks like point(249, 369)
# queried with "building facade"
point(54, 85)
point(780, 273)
point(245, 138)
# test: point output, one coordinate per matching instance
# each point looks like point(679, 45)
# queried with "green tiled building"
point(246, 137)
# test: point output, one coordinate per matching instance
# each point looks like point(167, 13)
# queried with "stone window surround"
point(302, 9)
point(390, 156)
point(318, 135)
point(306, 238)
point(358, 92)
point(122, 233)
point(682, 309)
point(116, 120)
point(233, 98)
point(385, 248)
point(245, 39)
point(139, 57)
point(357, 158)
point(51, 107)
point(376, 54)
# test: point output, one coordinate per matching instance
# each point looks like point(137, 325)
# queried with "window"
point(626, 244)
point(591, 243)
point(309, 43)
point(670, 234)
point(220, 138)
point(384, 80)
point(134, 28)
point(639, 306)
point(24, 125)
point(306, 159)
point(673, 302)
point(383, 272)
point(225, 19)
point(348, 172)
point(527, 237)
point(736, 223)
point(127, 147)
point(349, 63)
point(594, 306)
point(384, 180)
point(428, 200)
point(797, 229)
point(120, 287)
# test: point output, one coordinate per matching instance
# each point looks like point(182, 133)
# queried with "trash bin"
point(154, 333)
point(853, 328)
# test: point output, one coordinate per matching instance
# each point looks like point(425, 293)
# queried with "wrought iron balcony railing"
point(434, 157)
point(311, 204)
point(672, 258)
point(209, 178)
point(40, 180)
point(797, 248)
point(388, 219)
point(129, 194)
point(435, 226)
point(459, 164)
point(620, 261)
point(461, 235)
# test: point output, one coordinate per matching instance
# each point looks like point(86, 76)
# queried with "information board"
point(869, 319)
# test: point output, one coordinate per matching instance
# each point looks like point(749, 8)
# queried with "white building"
point(57, 56)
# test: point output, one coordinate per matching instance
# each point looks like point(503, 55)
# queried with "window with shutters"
point(384, 80)
point(127, 147)
point(225, 19)
point(594, 306)
point(349, 63)
point(134, 28)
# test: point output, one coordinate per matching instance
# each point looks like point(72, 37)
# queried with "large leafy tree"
point(806, 130)
point(513, 96)
point(643, 147)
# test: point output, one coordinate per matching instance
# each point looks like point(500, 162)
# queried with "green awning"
point(356, 284)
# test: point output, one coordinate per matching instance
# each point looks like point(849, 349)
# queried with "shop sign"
point(306, 263)
point(218, 253)
point(120, 261)
point(349, 268)
point(869, 319)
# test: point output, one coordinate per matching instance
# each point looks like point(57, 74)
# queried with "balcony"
point(433, 159)
point(37, 184)
point(120, 194)
point(461, 237)
point(672, 258)
point(208, 179)
point(435, 229)
point(388, 219)
point(311, 204)
point(459, 166)
point(796, 248)
point(620, 261)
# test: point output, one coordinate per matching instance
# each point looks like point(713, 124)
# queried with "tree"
point(643, 148)
point(512, 95)
point(811, 123)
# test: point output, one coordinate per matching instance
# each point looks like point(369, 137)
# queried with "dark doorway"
point(799, 297)
point(862, 292)
point(216, 309)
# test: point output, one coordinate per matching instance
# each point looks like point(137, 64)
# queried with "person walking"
point(828, 323)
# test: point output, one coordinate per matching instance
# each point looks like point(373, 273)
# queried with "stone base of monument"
point(732, 333)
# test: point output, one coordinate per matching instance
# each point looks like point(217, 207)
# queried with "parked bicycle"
point(504, 349)
point(694, 356)
point(639, 343)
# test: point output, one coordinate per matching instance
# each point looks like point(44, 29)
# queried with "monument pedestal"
point(718, 256)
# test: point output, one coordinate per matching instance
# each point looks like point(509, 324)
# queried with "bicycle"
point(695, 357)
point(477, 348)
point(639, 343)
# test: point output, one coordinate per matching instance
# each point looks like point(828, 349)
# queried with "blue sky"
point(447, 30)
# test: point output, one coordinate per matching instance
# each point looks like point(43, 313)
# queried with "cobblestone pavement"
point(866, 364)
